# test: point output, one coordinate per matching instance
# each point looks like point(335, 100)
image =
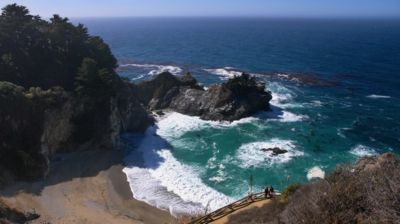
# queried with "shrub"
point(244, 84)
point(290, 190)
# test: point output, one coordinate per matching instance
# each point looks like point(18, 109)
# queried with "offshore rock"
point(237, 98)
point(275, 151)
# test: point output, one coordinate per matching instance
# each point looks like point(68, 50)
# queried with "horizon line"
point(238, 17)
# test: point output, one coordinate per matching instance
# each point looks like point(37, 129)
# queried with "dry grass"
point(368, 192)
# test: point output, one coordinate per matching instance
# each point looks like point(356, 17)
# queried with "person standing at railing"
point(271, 191)
point(266, 192)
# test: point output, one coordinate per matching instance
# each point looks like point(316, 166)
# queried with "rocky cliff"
point(38, 123)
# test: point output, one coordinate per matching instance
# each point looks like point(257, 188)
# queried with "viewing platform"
point(256, 199)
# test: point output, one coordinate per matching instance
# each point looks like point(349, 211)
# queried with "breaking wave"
point(174, 124)
point(362, 150)
point(373, 96)
point(162, 181)
point(225, 73)
point(315, 172)
point(152, 69)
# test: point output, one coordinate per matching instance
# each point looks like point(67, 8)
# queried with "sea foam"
point(315, 172)
point(155, 69)
point(159, 179)
point(162, 181)
point(174, 125)
point(287, 116)
point(373, 96)
point(225, 73)
point(362, 150)
point(282, 96)
point(252, 155)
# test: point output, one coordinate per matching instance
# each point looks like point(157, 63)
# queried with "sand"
point(83, 187)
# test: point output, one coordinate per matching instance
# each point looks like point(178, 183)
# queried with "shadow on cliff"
point(138, 150)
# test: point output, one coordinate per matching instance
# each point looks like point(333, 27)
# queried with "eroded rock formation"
point(237, 98)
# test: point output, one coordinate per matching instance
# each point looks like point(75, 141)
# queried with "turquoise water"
point(336, 97)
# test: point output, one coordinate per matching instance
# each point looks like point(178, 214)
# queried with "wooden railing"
point(224, 211)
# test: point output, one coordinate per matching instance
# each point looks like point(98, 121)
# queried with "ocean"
point(336, 97)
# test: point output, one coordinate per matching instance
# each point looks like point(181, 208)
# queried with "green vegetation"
point(35, 52)
point(243, 84)
point(290, 190)
point(93, 81)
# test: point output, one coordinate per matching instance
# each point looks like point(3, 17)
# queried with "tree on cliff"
point(92, 81)
point(35, 52)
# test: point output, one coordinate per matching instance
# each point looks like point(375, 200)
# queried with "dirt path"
point(257, 204)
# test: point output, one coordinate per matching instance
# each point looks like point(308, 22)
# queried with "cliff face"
point(159, 92)
point(235, 99)
point(36, 124)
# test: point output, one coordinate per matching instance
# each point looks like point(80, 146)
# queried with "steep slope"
point(367, 192)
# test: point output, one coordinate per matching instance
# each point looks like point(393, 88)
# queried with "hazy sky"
point(265, 8)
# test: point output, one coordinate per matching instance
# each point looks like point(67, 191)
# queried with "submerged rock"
point(275, 151)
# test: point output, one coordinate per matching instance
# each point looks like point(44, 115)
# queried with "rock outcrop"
point(275, 151)
point(237, 98)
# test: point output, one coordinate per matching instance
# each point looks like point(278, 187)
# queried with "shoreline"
point(83, 187)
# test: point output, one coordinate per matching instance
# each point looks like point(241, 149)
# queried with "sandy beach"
point(83, 187)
